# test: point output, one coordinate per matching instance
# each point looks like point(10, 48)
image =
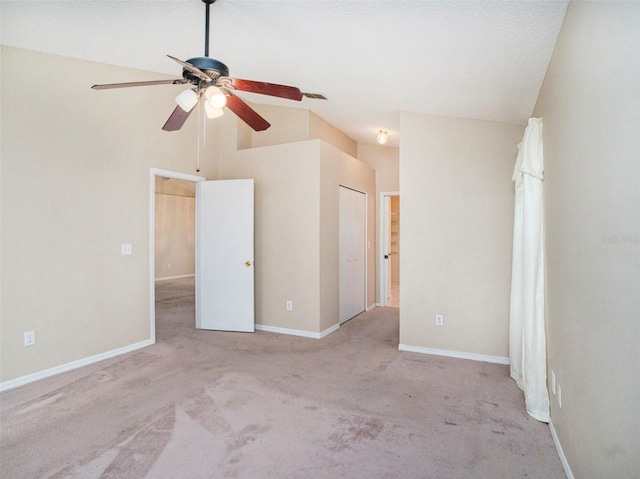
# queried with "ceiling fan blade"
point(246, 113)
point(188, 66)
point(282, 91)
point(177, 119)
point(315, 96)
point(108, 86)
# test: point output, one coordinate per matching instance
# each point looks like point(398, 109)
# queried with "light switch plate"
point(29, 338)
point(126, 249)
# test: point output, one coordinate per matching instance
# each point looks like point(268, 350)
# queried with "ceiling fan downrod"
point(206, 26)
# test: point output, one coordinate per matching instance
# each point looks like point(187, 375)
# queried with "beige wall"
point(385, 161)
point(75, 187)
point(457, 222)
point(174, 246)
point(288, 125)
point(590, 102)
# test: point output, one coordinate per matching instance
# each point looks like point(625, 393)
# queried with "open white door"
point(224, 255)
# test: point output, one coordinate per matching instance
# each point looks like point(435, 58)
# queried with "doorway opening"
point(389, 259)
point(172, 247)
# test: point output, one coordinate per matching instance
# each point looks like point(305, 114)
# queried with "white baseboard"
point(330, 330)
point(371, 306)
point(63, 368)
point(164, 278)
point(563, 458)
point(455, 354)
point(298, 332)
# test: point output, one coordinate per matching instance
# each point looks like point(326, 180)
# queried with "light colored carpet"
point(204, 404)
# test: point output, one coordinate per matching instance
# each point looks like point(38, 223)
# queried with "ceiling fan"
point(211, 80)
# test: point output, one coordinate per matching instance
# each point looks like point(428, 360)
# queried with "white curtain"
point(527, 344)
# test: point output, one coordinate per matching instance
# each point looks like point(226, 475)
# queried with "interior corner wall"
point(320, 129)
point(288, 125)
point(75, 187)
point(340, 169)
point(457, 230)
point(385, 161)
point(590, 104)
point(286, 231)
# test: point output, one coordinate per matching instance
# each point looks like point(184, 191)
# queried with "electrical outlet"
point(289, 305)
point(559, 396)
point(553, 383)
point(126, 249)
point(439, 320)
point(29, 338)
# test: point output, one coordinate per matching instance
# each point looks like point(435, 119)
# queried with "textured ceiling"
point(372, 59)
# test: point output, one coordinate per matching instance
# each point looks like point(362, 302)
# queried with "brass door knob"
point(247, 263)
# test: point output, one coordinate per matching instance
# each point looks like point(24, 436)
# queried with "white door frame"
point(152, 236)
point(384, 235)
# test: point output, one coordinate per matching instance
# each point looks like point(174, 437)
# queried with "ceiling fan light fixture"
point(382, 137)
point(213, 112)
point(187, 100)
point(216, 97)
point(205, 73)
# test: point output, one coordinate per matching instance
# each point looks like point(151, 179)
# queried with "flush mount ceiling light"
point(382, 137)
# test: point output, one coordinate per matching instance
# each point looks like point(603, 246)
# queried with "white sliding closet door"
point(353, 253)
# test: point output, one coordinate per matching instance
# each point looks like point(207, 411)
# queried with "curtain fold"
point(527, 342)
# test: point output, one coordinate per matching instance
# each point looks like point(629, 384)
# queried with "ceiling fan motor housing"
point(212, 68)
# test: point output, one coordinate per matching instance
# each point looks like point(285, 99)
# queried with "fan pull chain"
point(198, 153)
point(204, 129)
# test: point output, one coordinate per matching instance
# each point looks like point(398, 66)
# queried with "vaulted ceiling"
point(371, 59)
